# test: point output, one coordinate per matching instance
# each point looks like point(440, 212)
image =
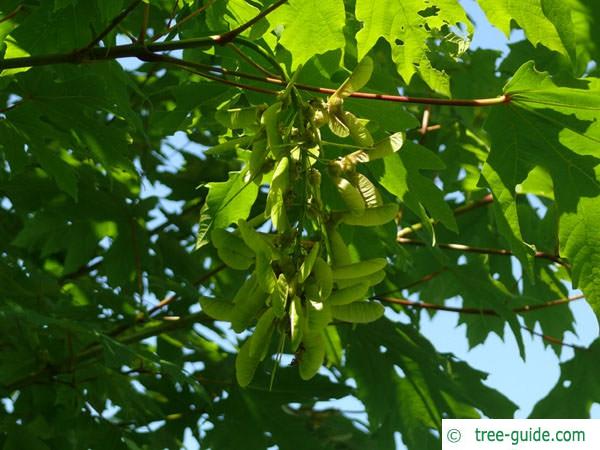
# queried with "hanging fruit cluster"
point(302, 276)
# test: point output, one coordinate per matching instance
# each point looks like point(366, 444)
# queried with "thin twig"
point(11, 107)
point(250, 61)
point(144, 53)
point(85, 269)
point(171, 298)
point(137, 260)
point(146, 17)
point(92, 353)
point(476, 311)
point(173, 12)
point(193, 68)
point(218, 69)
point(113, 23)
point(142, 318)
point(487, 200)
point(182, 21)
point(553, 340)
point(13, 13)
point(226, 38)
point(422, 280)
point(482, 250)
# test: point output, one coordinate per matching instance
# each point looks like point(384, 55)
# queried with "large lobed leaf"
point(404, 25)
point(553, 128)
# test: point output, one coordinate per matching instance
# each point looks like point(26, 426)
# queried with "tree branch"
point(12, 14)
point(481, 250)
point(148, 53)
point(182, 21)
point(129, 51)
point(144, 317)
point(170, 299)
point(488, 199)
point(321, 90)
point(476, 311)
point(229, 36)
point(553, 340)
point(250, 61)
point(422, 280)
point(95, 349)
point(113, 23)
point(145, 18)
point(93, 352)
point(85, 269)
point(189, 67)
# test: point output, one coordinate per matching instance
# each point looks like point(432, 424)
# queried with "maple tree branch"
point(476, 311)
point(422, 280)
point(485, 201)
point(481, 250)
point(13, 13)
point(113, 23)
point(182, 21)
point(269, 57)
point(229, 36)
point(488, 199)
point(481, 102)
point(173, 13)
point(131, 50)
point(11, 107)
point(94, 350)
point(553, 340)
point(171, 298)
point(250, 61)
point(143, 317)
point(146, 17)
point(85, 269)
point(322, 90)
point(148, 53)
point(200, 69)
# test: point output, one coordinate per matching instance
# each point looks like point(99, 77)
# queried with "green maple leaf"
point(310, 27)
point(405, 26)
point(545, 22)
point(554, 128)
point(226, 203)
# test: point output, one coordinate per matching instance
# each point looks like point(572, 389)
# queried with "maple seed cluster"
point(303, 276)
